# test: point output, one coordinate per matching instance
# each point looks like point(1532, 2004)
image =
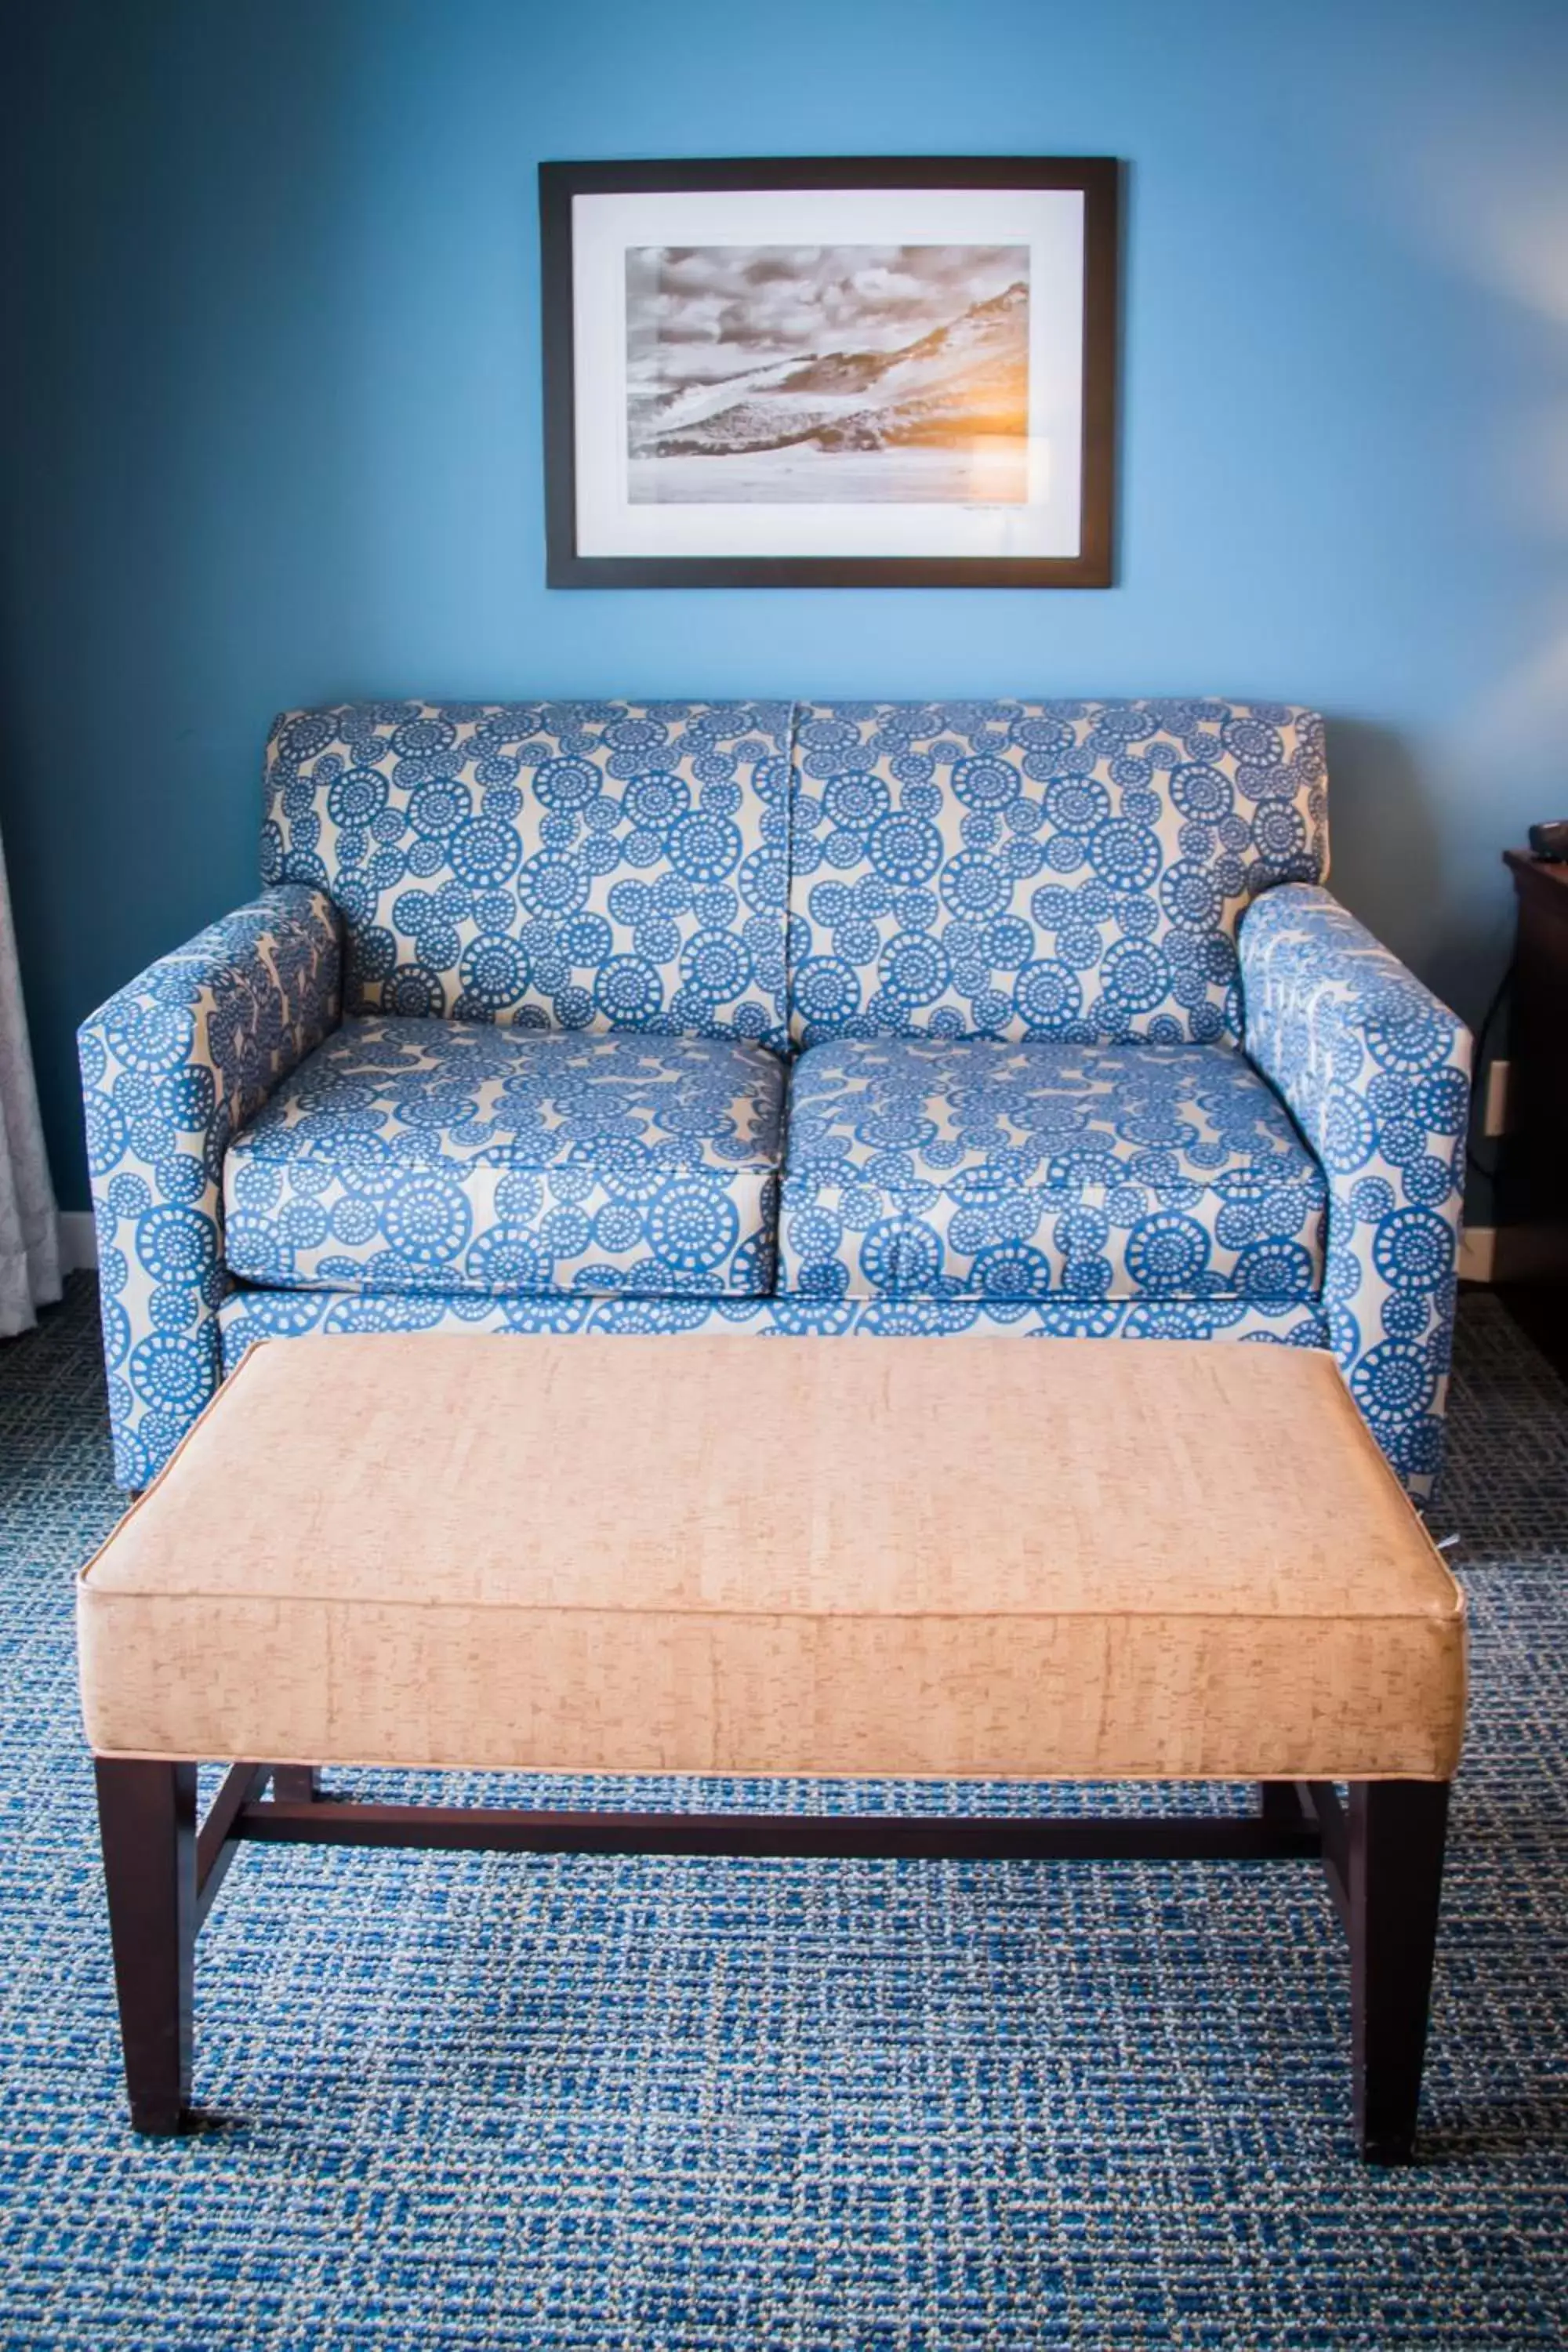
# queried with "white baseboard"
point(79, 1241)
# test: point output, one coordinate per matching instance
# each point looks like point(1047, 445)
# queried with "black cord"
point(1479, 1091)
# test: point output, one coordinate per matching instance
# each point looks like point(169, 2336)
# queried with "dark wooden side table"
point(1534, 1186)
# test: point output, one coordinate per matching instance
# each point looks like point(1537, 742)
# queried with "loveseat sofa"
point(852, 1018)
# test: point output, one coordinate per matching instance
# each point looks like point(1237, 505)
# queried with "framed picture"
point(880, 373)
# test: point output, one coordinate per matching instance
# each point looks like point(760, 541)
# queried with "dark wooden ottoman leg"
point(147, 1819)
point(295, 1784)
point(1396, 1831)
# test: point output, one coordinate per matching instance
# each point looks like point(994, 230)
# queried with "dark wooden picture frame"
point(1098, 178)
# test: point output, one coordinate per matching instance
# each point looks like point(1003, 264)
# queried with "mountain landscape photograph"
point(840, 373)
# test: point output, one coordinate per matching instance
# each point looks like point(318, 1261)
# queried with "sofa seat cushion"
point(981, 1168)
point(415, 1155)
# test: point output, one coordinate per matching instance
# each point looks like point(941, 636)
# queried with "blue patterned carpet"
point(685, 2106)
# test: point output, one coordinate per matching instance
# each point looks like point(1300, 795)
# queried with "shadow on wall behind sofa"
point(1386, 860)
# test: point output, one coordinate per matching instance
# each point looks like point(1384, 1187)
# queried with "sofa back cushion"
point(564, 864)
point(1040, 869)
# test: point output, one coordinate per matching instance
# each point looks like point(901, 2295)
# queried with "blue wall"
point(271, 407)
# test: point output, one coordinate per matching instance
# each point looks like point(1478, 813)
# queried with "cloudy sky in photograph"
point(698, 312)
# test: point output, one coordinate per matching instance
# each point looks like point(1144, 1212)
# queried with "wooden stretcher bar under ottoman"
point(1077, 1560)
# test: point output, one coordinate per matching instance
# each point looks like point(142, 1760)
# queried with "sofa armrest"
point(171, 1067)
point(1376, 1073)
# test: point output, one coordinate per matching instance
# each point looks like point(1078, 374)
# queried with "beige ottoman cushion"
point(1070, 1559)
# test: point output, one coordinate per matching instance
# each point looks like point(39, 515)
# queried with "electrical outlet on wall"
point(1496, 1118)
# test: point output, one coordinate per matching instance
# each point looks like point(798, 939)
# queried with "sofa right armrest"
point(1375, 1071)
point(171, 1067)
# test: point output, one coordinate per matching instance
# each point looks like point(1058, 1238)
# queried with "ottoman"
point(1069, 1560)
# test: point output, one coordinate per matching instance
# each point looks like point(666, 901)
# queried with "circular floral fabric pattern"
point(414, 1155)
point(172, 1068)
point(980, 1169)
point(1079, 875)
point(1121, 840)
point(1376, 1074)
point(249, 1316)
point(559, 864)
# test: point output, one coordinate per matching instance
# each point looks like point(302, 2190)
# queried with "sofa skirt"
point(248, 1315)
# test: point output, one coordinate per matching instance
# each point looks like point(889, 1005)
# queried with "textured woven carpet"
point(878, 2107)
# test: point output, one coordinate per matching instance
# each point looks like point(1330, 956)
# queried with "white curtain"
point(29, 1246)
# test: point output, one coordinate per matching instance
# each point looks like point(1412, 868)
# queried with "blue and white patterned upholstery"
point(410, 1155)
point(920, 1168)
point(171, 1068)
point(1040, 869)
point(561, 865)
point(247, 1316)
point(1377, 1073)
point(1010, 958)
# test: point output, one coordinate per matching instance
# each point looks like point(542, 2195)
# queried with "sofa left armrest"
point(1376, 1072)
point(171, 1067)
